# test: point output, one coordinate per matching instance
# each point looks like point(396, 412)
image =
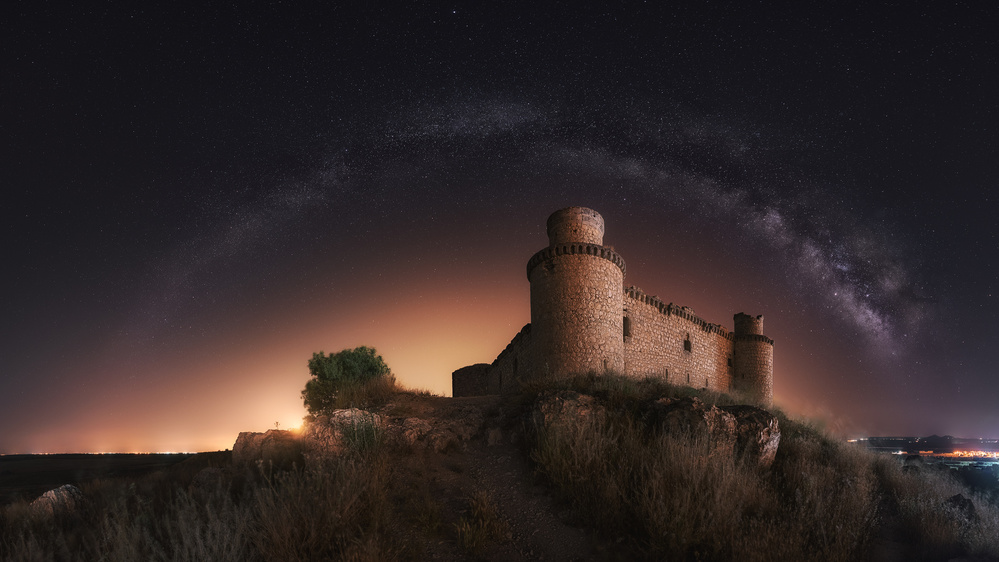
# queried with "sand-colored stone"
point(583, 319)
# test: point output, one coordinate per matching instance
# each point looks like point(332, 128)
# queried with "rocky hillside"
point(461, 477)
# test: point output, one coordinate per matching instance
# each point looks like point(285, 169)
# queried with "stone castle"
point(583, 319)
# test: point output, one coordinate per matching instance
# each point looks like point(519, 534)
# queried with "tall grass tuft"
point(674, 495)
point(336, 511)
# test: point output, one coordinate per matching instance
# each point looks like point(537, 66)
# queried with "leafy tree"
point(334, 373)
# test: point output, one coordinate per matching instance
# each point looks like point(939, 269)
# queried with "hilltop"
point(589, 468)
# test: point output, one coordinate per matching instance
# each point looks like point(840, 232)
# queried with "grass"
point(482, 526)
point(646, 493)
point(673, 495)
point(333, 511)
point(373, 392)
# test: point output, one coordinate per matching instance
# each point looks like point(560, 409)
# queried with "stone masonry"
point(584, 320)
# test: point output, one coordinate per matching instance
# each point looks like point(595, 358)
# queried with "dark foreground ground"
point(25, 477)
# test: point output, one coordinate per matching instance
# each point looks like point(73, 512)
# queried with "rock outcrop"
point(566, 406)
point(739, 429)
point(67, 499)
point(275, 448)
point(757, 433)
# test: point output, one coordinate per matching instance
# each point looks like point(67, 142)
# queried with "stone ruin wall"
point(656, 344)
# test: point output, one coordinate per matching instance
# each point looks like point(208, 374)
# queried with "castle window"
point(688, 378)
point(686, 344)
point(729, 361)
point(627, 327)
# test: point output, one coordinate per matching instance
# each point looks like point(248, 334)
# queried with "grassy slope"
point(664, 495)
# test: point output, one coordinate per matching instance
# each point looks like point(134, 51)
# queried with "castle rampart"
point(583, 319)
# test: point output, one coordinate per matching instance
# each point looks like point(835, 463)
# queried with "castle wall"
point(472, 380)
point(657, 344)
point(576, 310)
point(513, 364)
point(583, 320)
point(754, 358)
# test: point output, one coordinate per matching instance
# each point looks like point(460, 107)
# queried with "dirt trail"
point(493, 461)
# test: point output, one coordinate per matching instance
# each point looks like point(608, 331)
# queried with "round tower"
point(753, 354)
point(576, 298)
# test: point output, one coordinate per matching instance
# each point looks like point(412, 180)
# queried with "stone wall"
point(473, 380)
point(514, 363)
point(584, 320)
point(672, 343)
point(575, 224)
point(576, 313)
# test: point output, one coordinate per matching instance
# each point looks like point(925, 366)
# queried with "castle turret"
point(576, 298)
point(754, 358)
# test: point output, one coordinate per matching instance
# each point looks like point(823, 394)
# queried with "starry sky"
point(196, 199)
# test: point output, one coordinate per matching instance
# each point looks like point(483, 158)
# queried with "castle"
point(584, 320)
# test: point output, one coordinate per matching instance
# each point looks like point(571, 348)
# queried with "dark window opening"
point(729, 361)
point(627, 327)
point(688, 378)
point(686, 344)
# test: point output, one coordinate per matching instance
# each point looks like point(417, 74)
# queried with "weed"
point(482, 527)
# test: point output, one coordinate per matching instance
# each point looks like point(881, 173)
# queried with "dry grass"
point(373, 392)
point(673, 495)
point(647, 493)
point(336, 511)
point(482, 527)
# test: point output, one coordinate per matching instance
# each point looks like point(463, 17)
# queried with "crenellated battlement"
point(753, 337)
point(594, 250)
point(583, 320)
point(685, 312)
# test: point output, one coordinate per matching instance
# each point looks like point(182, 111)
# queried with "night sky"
point(197, 199)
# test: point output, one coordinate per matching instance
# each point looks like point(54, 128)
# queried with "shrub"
point(348, 378)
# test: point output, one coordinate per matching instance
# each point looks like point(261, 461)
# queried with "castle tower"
point(754, 358)
point(576, 298)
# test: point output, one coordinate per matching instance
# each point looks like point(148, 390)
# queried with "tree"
point(333, 374)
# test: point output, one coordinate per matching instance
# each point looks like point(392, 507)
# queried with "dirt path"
point(492, 464)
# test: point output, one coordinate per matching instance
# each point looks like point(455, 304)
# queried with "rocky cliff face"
point(739, 430)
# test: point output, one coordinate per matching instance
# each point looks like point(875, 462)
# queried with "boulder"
point(757, 433)
point(693, 416)
point(276, 447)
point(246, 449)
point(566, 406)
point(67, 499)
point(437, 435)
point(962, 508)
point(741, 430)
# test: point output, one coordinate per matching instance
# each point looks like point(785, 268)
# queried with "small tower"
point(754, 358)
point(576, 298)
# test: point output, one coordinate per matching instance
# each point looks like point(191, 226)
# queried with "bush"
point(345, 379)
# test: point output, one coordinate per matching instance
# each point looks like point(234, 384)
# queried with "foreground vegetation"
point(672, 495)
point(644, 492)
